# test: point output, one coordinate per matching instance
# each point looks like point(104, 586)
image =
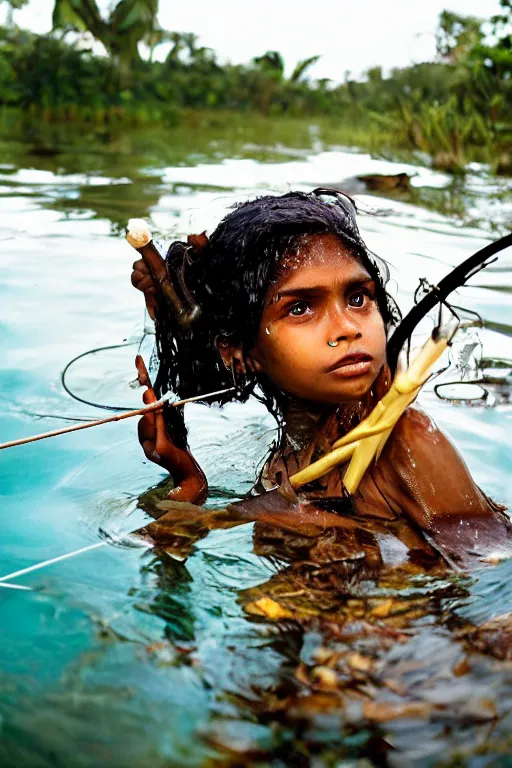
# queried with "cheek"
point(279, 350)
point(376, 336)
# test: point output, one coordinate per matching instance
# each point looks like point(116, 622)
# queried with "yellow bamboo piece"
point(372, 446)
point(323, 465)
point(366, 441)
point(421, 367)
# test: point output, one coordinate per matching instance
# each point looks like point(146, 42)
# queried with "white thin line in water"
point(58, 559)
point(16, 586)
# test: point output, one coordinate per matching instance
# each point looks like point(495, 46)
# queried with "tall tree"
point(457, 35)
point(129, 23)
point(271, 63)
point(302, 67)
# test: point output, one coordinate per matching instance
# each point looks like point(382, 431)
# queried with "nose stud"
point(333, 343)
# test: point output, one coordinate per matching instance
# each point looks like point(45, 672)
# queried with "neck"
point(301, 420)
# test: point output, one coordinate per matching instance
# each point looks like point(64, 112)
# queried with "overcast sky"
point(349, 34)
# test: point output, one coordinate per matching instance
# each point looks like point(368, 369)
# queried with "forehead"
point(318, 258)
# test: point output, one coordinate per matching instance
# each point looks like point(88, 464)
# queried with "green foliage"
point(457, 35)
point(15, 4)
point(66, 17)
point(129, 23)
point(271, 62)
point(302, 67)
point(455, 109)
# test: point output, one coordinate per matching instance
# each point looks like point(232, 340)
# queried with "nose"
point(343, 326)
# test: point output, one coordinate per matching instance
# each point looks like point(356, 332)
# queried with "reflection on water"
point(236, 656)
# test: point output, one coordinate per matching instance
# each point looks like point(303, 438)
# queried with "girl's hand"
point(142, 280)
point(190, 481)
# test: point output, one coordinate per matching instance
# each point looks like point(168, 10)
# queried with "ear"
point(253, 361)
point(231, 354)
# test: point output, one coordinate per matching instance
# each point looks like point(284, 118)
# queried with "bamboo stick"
point(366, 441)
point(323, 465)
point(117, 417)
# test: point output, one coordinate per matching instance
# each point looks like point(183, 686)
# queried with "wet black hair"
point(229, 276)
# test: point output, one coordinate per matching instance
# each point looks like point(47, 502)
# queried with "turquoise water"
point(124, 656)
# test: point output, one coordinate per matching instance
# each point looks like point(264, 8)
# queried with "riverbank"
point(454, 111)
point(46, 130)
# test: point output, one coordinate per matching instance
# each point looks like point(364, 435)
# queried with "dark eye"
point(299, 308)
point(358, 299)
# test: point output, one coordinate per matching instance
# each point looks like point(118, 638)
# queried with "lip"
point(355, 364)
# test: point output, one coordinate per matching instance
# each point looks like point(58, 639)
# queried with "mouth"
point(356, 364)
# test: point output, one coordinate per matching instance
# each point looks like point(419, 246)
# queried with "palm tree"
point(129, 23)
point(301, 68)
point(271, 63)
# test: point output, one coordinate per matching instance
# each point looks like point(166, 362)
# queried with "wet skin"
point(420, 485)
point(322, 294)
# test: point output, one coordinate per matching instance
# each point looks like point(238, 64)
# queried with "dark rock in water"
point(381, 183)
point(42, 151)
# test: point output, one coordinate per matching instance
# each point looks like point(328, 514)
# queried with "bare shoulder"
point(431, 472)
point(432, 485)
point(417, 449)
point(416, 428)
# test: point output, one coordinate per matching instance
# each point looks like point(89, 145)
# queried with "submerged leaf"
point(265, 606)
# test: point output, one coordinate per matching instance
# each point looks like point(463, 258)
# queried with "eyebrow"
point(317, 289)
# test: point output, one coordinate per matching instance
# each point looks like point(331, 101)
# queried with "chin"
point(337, 398)
point(350, 394)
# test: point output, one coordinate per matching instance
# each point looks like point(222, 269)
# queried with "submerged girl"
point(286, 303)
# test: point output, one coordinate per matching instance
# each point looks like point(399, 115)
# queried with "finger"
point(146, 285)
point(161, 437)
point(142, 372)
point(148, 397)
point(154, 262)
point(140, 266)
point(143, 376)
point(147, 439)
point(142, 282)
point(146, 430)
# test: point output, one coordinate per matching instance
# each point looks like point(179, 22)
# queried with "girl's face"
point(322, 294)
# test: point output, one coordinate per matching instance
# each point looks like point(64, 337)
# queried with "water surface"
point(125, 656)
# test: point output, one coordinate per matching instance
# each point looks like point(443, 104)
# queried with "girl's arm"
point(432, 486)
point(190, 484)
